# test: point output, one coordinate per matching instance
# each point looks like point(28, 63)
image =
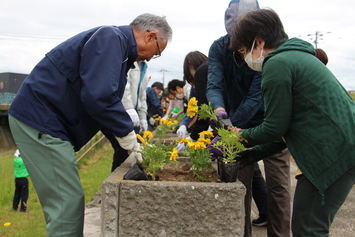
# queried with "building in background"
point(9, 85)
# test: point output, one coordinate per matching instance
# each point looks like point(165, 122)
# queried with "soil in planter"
point(183, 173)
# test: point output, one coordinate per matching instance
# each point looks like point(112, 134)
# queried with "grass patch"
point(93, 170)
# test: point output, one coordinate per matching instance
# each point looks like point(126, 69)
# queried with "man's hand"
point(134, 116)
point(152, 121)
point(130, 144)
point(144, 126)
point(182, 132)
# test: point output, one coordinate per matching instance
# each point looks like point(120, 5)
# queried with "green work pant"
point(313, 213)
point(52, 166)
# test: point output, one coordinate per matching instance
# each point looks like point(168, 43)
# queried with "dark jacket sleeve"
point(215, 82)
point(269, 149)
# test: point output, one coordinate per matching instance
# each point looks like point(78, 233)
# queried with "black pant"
point(21, 193)
point(120, 154)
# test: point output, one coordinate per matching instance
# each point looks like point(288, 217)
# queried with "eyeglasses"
point(159, 52)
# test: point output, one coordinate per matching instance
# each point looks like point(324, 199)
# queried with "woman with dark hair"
point(195, 73)
point(307, 106)
point(321, 55)
point(192, 61)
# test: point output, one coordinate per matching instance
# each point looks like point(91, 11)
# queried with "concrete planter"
point(161, 208)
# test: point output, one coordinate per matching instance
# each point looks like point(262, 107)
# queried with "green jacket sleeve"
point(268, 149)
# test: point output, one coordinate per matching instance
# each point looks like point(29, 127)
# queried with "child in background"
point(21, 183)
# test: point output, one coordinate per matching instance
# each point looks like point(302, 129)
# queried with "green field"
point(93, 170)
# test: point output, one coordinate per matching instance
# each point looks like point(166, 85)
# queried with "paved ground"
point(343, 225)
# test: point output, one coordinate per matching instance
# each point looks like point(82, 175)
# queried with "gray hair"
point(149, 22)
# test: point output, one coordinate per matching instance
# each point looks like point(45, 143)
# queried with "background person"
point(228, 71)
point(179, 91)
point(321, 55)
point(72, 93)
point(309, 108)
point(21, 184)
point(195, 73)
point(154, 104)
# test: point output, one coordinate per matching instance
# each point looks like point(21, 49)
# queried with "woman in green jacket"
point(307, 106)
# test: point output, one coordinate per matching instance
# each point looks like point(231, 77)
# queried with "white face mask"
point(179, 96)
point(256, 64)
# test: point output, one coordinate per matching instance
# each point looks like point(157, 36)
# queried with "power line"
point(28, 36)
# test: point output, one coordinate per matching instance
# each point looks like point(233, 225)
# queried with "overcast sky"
point(30, 28)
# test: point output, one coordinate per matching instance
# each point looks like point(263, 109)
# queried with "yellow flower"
point(192, 111)
point(7, 223)
point(147, 134)
point(204, 140)
point(192, 107)
point(196, 145)
point(140, 138)
point(174, 154)
point(193, 101)
point(207, 134)
point(185, 140)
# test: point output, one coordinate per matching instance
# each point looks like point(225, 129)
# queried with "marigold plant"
point(199, 154)
point(206, 112)
point(230, 144)
point(155, 155)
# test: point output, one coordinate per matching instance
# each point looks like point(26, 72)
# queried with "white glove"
point(174, 115)
point(134, 116)
point(165, 117)
point(135, 155)
point(152, 121)
point(130, 144)
point(144, 126)
point(181, 132)
point(181, 147)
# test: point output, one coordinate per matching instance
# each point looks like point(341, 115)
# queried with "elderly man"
point(73, 92)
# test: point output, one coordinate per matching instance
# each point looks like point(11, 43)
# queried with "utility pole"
point(317, 36)
point(163, 71)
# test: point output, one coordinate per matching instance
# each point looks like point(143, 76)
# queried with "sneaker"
point(259, 222)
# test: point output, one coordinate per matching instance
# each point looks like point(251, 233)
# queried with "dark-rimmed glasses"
point(159, 52)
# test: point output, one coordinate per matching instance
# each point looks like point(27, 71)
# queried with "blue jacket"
point(77, 87)
point(153, 103)
point(243, 85)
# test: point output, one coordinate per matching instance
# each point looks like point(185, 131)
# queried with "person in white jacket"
point(134, 98)
point(134, 101)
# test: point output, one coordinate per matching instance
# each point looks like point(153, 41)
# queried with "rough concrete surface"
point(343, 225)
point(174, 209)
